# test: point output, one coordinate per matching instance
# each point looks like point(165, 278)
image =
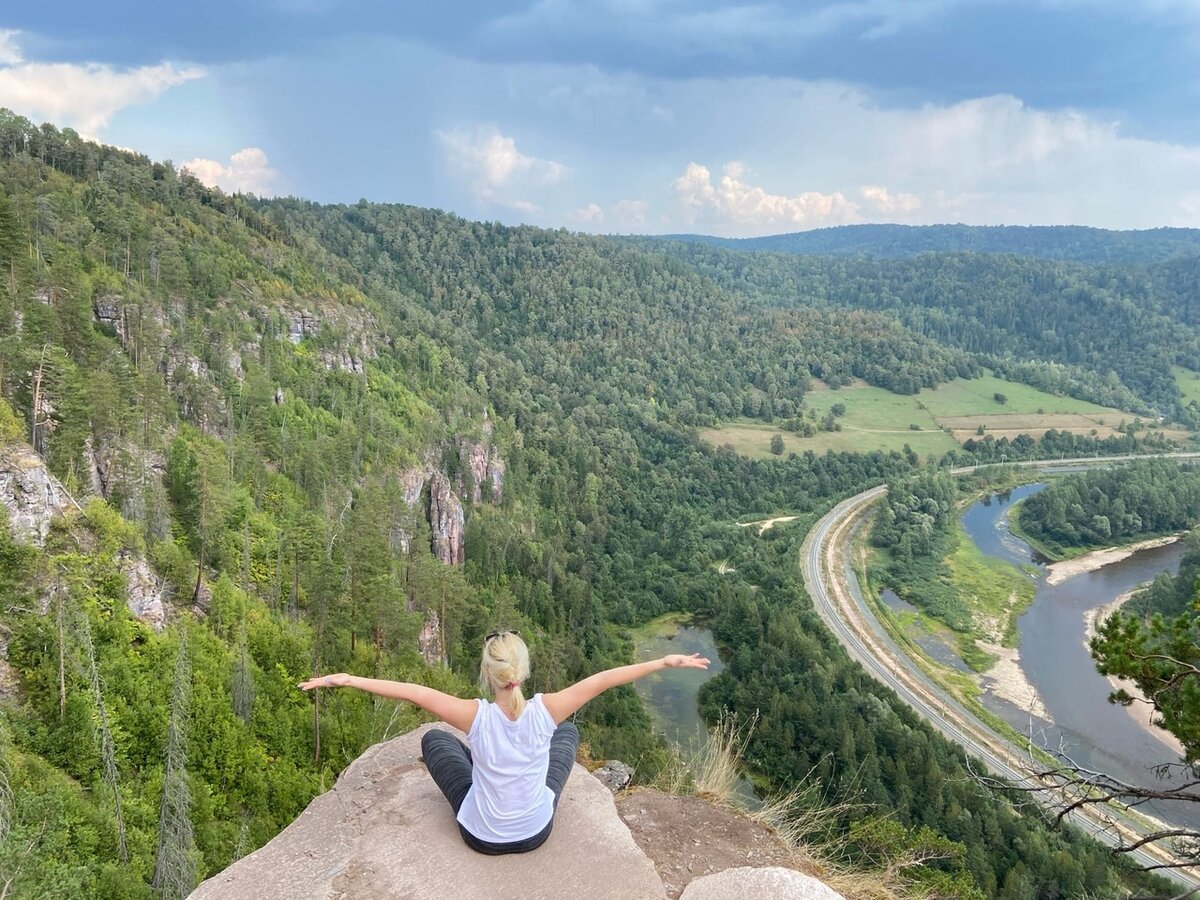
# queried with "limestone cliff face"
point(480, 464)
point(31, 494)
point(144, 591)
point(482, 460)
point(350, 333)
point(34, 498)
point(430, 640)
point(446, 520)
point(386, 831)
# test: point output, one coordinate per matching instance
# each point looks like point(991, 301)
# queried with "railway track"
point(825, 562)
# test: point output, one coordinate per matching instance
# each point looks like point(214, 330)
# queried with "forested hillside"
point(1061, 242)
point(1105, 334)
point(247, 440)
point(1148, 498)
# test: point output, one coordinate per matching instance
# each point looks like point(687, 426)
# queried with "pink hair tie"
point(513, 684)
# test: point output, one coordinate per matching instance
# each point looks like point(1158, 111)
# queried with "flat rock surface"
point(776, 883)
point(688, 837)
point(386, 831)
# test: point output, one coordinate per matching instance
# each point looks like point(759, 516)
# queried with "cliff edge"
point(385, 831)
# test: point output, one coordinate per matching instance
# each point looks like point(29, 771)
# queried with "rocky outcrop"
point(351, 330)
point(386, 831)
point(342, 360)
point(689, 838)
point(483, 461)
point(473, 458)
point(143, 590)
point(412, 482)
point(429, 641)
point(300, 323)
point(495, 475)
point(34, 498)
point(31, 494)
point(446, 520)
point(774, 882)
point(109, 311)
point(615, 775)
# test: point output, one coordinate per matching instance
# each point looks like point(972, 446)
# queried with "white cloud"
point(248, 171)
point(491, 162)
point(10, 53)
point(882, 200)
point(593, 213)
point(624, 215)
point(633, 213)
point(734, 200)
point(84, 96)
point(524, 206)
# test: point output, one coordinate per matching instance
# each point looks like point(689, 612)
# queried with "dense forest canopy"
point(359, 437)
point(1074, 243)
point(1101, 333)
point(1104, 507)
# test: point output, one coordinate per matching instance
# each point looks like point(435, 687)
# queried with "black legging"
point(449, 762)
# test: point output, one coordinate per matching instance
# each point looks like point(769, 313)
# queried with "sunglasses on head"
point(496, 634)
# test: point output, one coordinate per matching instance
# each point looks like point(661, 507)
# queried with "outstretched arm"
point(452, 710)
point(563, 704)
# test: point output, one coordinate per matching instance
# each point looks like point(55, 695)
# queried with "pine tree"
point(176, 870)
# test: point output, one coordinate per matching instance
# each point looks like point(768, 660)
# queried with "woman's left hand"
point(340, 679)
point(680, 661)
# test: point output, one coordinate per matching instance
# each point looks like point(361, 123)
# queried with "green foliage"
point(1153, 641)
point(245, 384)
point(1059, 242)
point(1103, 507)
point(1105, 334)
point(824, 719)
point(11, 428)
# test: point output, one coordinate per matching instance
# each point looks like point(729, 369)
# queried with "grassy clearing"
point(664, 625)
point(930, 422)
point(753, 439)
point(975, 396)
point(1189, 383)
point(995, 592)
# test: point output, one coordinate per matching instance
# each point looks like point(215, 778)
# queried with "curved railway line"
point(825, 562)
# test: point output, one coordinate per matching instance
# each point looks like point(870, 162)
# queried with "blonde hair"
point(505, 661)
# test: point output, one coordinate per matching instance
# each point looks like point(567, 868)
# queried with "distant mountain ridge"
point(1076, 243)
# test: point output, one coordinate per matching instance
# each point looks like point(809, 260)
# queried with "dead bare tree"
point(36, 419)
point(242, 687)
point(175, 864)
point(108, 754)
point(1063, 788)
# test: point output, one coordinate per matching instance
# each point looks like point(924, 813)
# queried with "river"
point(1082, 723)
point(673, 695)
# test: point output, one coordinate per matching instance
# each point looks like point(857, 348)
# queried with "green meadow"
point(944, 417)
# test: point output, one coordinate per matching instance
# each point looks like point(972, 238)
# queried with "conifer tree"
point(175, 867)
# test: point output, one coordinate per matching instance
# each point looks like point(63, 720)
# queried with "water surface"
point(1091, 731)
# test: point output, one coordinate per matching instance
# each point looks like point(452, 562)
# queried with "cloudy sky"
point(645, 115)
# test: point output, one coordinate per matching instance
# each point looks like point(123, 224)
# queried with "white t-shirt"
point(508, 799)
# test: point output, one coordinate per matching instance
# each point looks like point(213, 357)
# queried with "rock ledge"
point(385, 831)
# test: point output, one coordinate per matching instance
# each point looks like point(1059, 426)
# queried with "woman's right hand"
point(339, 679)
point(680, 661)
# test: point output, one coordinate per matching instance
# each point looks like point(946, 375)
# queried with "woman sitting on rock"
point(505, 788)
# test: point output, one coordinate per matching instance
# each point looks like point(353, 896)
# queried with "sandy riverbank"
point(1006, 679)
point(1057, 573)
point(1140, 710)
